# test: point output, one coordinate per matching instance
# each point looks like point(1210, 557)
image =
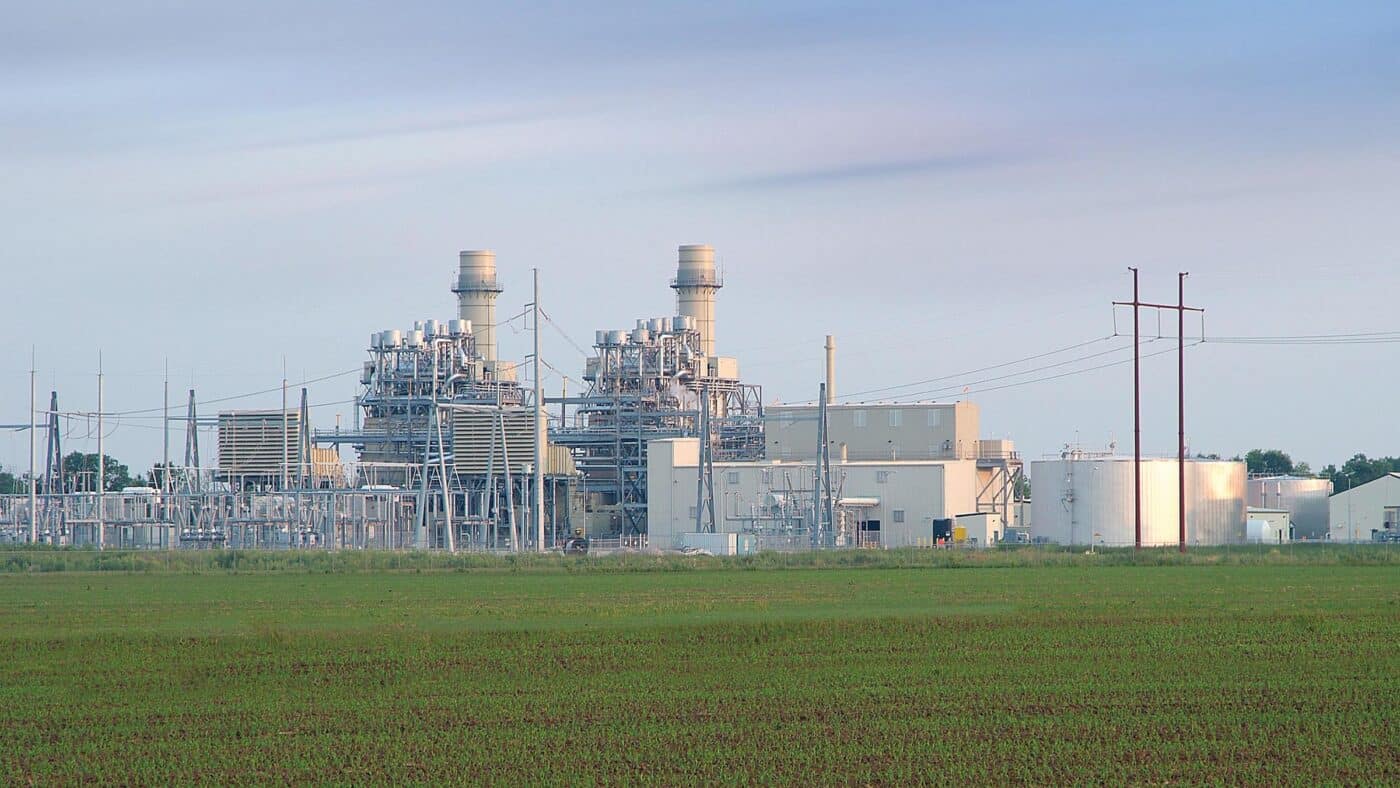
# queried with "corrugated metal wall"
point(1091, 501)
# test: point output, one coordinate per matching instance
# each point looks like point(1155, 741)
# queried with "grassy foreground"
point(1286, 673)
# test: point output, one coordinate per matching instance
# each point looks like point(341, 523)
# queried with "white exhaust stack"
point(830, 369)
point(695, 284)
point(476, 298)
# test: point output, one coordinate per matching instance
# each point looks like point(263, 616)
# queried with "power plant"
point(666, 446)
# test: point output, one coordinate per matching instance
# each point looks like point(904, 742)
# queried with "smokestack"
point(695, 284)
point(830, 369)
point(476, 298)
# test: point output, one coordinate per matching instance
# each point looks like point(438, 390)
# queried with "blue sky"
point(944, 186)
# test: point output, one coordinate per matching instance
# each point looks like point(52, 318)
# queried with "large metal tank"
point(1305, 500)
point(1090, 500)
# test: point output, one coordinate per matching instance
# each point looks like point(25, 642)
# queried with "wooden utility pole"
point(1181, 309)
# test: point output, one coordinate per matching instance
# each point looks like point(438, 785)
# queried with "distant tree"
point(11, 484)
point(1359, 470)
point(1208, 456)
point(80, 471)
point(1023, 488)
point(1302, 469)
point(1270, 461)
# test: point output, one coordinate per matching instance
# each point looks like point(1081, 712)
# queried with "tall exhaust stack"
point(476, 298)
point(830, 369)
point(695, 284)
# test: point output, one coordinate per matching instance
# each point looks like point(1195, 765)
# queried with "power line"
point(561, 333)
point(1002, 365)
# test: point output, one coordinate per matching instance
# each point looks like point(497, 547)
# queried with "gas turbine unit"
point(660, 379)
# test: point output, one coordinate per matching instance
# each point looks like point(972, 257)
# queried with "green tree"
point(1359, 470)
point(80, 471)
point(1269, 461)
point(10, 484)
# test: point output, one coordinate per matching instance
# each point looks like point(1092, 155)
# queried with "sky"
point(235, 190)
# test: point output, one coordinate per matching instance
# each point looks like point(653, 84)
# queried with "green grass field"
point(1222, 672)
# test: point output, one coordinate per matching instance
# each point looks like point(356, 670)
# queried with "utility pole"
point(101, 462)
point(1137, 415)
point(1181, 411)
point(165, 431)
point(541, 432)
point(285, 457)
point(1181, 310)
point(33, 480)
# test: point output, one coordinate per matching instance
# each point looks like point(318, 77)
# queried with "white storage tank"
point(1304, 498)
point(1089, 500)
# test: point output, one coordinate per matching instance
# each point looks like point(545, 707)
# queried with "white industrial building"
point(1269, 526)
point(1304, 498)
point(1086, 499)
point(901, 432)
point(1367, 512)
point(876, 503)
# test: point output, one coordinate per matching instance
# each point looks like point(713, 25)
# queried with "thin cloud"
point(856, 172)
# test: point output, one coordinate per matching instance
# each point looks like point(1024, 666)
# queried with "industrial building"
point(1368, 512)
point(1086, 498)
point(899, 431)
point(661, 379)
point(1304, 498)
point(1268, 526)
point(441, 414)
point(873, 503)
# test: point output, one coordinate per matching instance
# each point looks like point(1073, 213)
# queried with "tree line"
point(1355, 471)
point(79, 473)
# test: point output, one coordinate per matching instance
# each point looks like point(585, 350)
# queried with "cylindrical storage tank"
point(600, 338)
point(616, 337)
point(476, 291)
point(457, 327)
point(657, 325)
point(414, 338)
point(641, 336)
point(678, 323)
point(393, 338)
point(1305, 500)
point(643, 323)
point(695, 284)
point(1090, 501)
point(431, 328)
point(418, 325)
point(375, 340)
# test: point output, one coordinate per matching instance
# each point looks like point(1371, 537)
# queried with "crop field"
point(1283, 673)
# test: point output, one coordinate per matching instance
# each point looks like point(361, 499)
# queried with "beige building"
point(1367, 512)
point(884, 431)
point(878, 503)
point(903, 432)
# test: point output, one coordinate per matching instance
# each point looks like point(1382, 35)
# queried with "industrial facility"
point(1368, 512)
point(1305, 500)
point(661, 379)
point(666, 445)
point(1087, 498)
